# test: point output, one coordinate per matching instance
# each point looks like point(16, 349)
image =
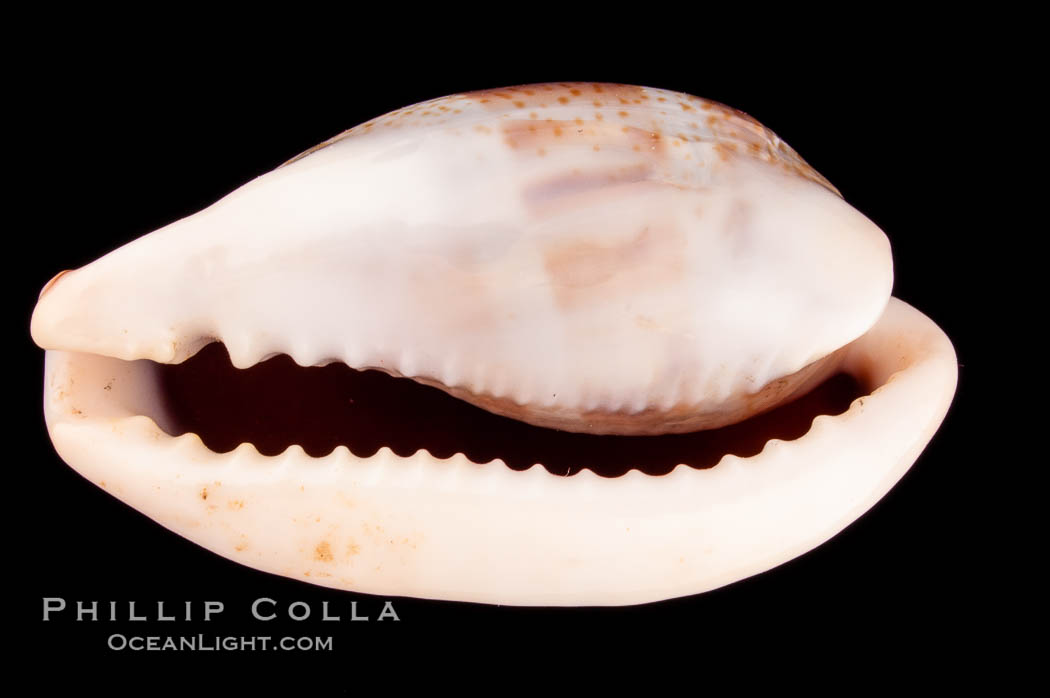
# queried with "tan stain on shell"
point(525, 135)
point(580, 271)
point(732, 132)
point(564, 93)
point(323, 552)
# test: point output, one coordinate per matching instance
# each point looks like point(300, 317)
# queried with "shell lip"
point(277, 404)
point(182, 398)
point(547, 540)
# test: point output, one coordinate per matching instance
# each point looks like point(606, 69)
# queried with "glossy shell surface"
point(591, 257)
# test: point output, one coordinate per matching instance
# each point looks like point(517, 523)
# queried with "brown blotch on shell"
point(731, 127)
point(323, 552)
point(528, 135)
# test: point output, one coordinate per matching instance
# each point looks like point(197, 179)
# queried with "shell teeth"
point(637, 404)
point(498, 385)
point(244, 351)
point(477, 383)
point(353, 355)
point(595, 398)
point(306, 354)
point(524, 394)
point(670, 396)
point(407, 363)
point(450, 372)
point(612, 402)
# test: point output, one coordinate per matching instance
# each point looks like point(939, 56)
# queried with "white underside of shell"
point(453, 529)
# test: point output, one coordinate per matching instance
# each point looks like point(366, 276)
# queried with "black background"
point(121, 142)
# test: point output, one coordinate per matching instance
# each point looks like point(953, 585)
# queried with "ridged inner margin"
point(278, 403)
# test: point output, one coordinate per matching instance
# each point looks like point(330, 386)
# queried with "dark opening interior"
point(277, 403)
